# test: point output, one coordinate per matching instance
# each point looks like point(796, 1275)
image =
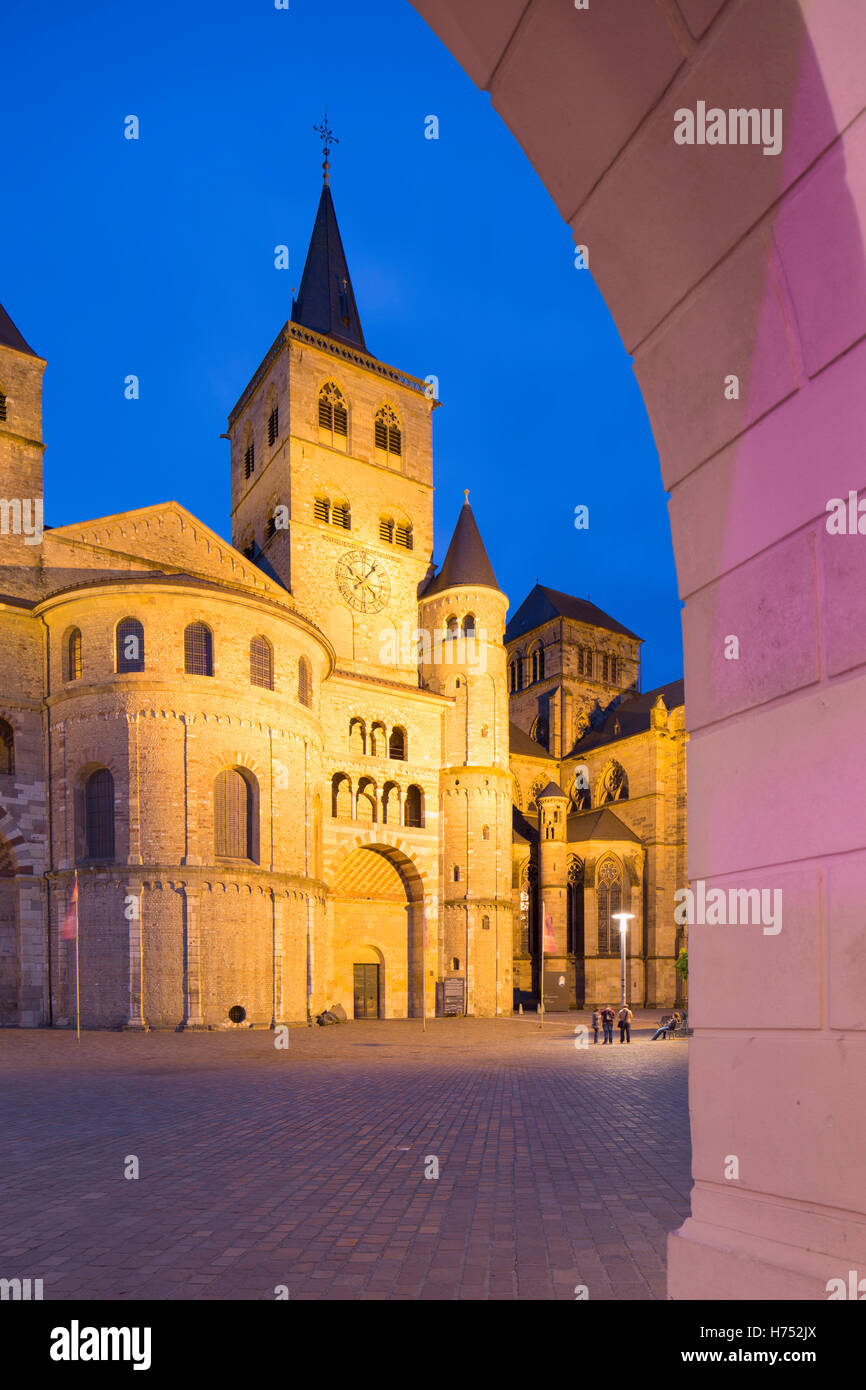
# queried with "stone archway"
point(377, 901)
point(738, 283)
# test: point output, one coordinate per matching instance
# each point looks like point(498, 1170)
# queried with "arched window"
point(249, 456)
point(539, 730)
point(512, 676)
point(403, 536)
point(261, 663)
point(609, 901)
point(469, 625)
point(7, 748)
point(274, 425)
point(414, 808)
point(614, 784)
point(518, 667)
point(584, 661)
point(387, 435)
point(538, 665)
point(2, 406)
point(378, 741)
point(130, 645)
point(333, 416)
point(341, 796)
point(386, 529)
point(305, 682)
point(391, 804)
point(234, 811)
point(322, 509)
point(365, 805)
point(341, 515)
point(357, 736)
point(73, 655)
point(574, 907)
point(397, 745)
point(528, 909)
point(99, 815)
point(198, 650)
point(452, 626)
point(579, 793)
point(485, 832)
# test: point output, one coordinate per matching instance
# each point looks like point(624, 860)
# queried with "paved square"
point(305, 1167)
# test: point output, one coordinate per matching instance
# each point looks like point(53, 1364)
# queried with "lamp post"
point(623, 918)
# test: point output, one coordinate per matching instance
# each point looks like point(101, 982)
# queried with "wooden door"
point(366, 991)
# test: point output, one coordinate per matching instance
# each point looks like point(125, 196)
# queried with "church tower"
point(332, 472)
point(462, 623)
point(21, 450)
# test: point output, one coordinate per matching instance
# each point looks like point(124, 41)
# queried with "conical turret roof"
point(467, 562)
point(326, 300)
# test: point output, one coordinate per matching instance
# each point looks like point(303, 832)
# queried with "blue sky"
point(156, 258)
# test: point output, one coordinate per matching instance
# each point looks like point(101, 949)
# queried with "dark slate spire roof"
point(542, 604)
point(326, 300)
point(9, 335)
point(552, 789)
point(467, 561)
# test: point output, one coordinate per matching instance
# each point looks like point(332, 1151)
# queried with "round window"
point(237, 1014)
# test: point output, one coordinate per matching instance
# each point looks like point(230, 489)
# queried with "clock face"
point(363, 581)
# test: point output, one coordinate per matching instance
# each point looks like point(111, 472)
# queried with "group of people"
point(605, 1018)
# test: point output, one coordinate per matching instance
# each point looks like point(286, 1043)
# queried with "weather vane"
point(328, 138)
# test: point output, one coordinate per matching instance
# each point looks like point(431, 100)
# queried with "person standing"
point(596, 1023)
point(607, 1017)
point(624, 1018)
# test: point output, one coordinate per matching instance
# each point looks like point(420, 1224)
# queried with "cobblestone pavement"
point(558, 1165)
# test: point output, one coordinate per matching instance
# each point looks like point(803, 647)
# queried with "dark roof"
point(521, 743)
point(523, 828)
point(598, 825)
point(9, 335)
point(550, 790)
point(467, 561)
point(542, 604)
point(326, 300)
point(632, 713)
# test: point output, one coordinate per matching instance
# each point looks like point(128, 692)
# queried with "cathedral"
point(310, 767)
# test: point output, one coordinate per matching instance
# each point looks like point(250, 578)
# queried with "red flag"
point(549, 937)
point(70, 921)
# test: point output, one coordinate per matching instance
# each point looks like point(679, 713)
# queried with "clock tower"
point(332, 471)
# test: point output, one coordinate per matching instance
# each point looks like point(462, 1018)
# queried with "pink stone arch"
point(723, 262)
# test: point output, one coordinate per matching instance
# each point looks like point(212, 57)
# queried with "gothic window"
point(341, 515)
point(581, 798)
point(274, 425)
point(386, 529)
point(7, 748)
point(538, 785)
point(512, 677)
point(99, 814)
point(528, 910)
point(357, 736)
point(538, 665)
point(234, 811)
point(391, 804)
point(341, 797)
point(2, 406)
point(305, 682)
point(198, 650)
point(584, 661)
point(73, 655)
point(414, 808)
point(261, 663)
point(403, 536)
point(322, 509)
point(387, 434)
point(129, 645)
point(365, 805)
point(333, 416)
point(609, 895)
point(614, 784)
point(469, 625)
point(397, 745)
point(539, 730)
point(574, 907)
point(249, 458)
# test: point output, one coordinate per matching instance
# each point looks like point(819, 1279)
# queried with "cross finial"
point(465, 496)
point(328, 138)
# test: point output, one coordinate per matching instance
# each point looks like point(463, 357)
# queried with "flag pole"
point(541, 971)
point(77, 992)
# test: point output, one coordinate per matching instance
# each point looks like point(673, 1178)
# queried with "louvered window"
point(322, 509)
point(341, 515)
point(333, 415)
point(73, 655)
point(130, 645)
point(270, 527)
point(198, 650)
point(381, 433)
point(99, 814)
point(249, 459)
point(404, 537)
point(386, 530)
point(305, 682)
point(233, 815)
point(261, 663)
point(387, 435)
point(273, 425)
point(7, 748)
point(2, 406)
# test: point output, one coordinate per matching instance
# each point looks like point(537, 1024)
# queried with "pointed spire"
point(9, 335)
point(326, 300)
point(467, 561)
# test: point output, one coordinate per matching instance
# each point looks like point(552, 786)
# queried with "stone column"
point(192, 946)
point(134, 911)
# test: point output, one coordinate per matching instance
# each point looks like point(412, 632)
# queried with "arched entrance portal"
point(738, 284)
point(8, 937)
point(377, 903)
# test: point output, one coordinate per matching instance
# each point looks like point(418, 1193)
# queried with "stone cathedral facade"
point(310, 767)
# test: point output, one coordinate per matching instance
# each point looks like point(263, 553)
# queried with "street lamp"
point(623, 918)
